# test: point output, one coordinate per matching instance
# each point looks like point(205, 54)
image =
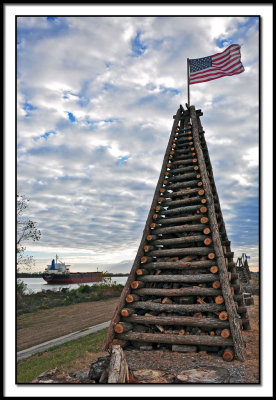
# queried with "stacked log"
point(245, 277)
point(183, 290)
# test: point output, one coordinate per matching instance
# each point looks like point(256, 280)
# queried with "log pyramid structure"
point(245, 277)
point(183, 292)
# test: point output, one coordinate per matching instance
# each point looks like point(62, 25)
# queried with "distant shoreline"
point(39, 275)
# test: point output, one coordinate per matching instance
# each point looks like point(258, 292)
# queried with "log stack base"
point(183, 292)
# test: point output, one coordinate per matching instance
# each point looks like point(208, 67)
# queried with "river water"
point(35, 285)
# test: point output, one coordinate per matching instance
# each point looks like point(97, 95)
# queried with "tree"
point(26, 230)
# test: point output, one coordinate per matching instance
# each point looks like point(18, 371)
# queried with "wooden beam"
point(177, 339)
point(220, 260)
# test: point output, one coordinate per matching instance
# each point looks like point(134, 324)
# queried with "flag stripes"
point(227, 63)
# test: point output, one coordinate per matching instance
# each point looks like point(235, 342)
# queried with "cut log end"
point(126, 312)
point(214, 269)
point(203, 209)
point(135, 284)
point(219, 300)
point(223, 316)
point(130, 298)
point(206, 231)
point(216, 284)
point(207, 241)
point(228, 355)
point(225, 333)
point(211, 256)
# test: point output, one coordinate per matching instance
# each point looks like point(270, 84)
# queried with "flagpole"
point(188, 81)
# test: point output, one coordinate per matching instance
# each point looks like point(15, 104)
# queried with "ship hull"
point(73, 278)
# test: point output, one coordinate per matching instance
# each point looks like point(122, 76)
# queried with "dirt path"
point(44, 325)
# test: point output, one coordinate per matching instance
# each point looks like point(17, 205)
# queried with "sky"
point(95, 101)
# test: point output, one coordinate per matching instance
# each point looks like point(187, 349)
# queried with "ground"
point(41, 326)
point(173, 363)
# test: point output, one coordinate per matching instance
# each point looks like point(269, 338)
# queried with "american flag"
point(216, 66)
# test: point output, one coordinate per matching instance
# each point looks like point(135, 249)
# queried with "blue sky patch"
point(71, 116)
point(172, 91)
point(122, 160)
point(47, 134)
point(137, 47)
point(224, 42)
point(28, 107)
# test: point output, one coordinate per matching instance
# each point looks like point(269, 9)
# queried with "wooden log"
point(181, 170)
point(181, 193)
point(182, 185)
point(214, 269)
point(183, 210)
point(216, 284)
point(186, 291)
point(186, 239)
point(180, 265)
point(148, 248)
point(184, 150)
point(118, 368)
point(177, 320)
point(223, 316)
point(137, 284)
point(179, 278)
point(142, 271)
point(127, 312)
point(182, 177)
point(218, 299)
point(179, 252)
point(182, 308)
point(178, 229)
point(176, 203)
point(184, 348)
point(130, 298)
point(228, 355)
point(207, 241)
point(211, 256)
point(225, 333)
point(177, 339)
point(229, 301)
point(178, 220)
point(121, 327)
point(188, 161)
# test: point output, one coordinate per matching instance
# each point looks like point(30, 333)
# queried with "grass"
point(76, 353)
point(46, 299)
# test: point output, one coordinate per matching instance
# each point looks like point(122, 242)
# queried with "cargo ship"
point(59, 272)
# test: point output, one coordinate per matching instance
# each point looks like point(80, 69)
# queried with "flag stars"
point(198, 64)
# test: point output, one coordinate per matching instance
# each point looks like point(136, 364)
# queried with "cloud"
point(96, 96)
